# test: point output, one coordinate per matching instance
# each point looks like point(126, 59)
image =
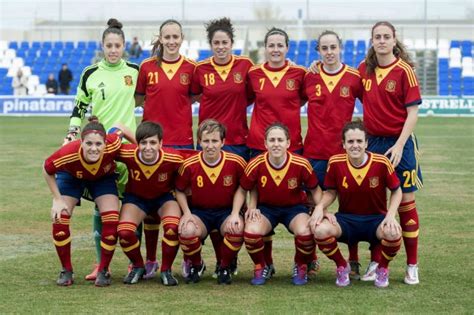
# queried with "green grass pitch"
point(29, 265)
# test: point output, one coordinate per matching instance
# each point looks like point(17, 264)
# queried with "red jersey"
point(386, 95)
point(282, 187)
point(150, 181)
point(225, 95)
point(212, 187)
point(279, 94)
point(331, 100)
point(361, 190)
point(69, 159)
point(168, 102)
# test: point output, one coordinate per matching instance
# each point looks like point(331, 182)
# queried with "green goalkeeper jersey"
point(109, 89)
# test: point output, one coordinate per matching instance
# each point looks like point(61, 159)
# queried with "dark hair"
point(328, 32)
point(157, 49)
point(223, 25)
point(114, 27)
point(148, 129)
point(399, 50)
point(278, 125)
point(353, 125)
point(94, 126)
point(277, 31)
point(210, 126)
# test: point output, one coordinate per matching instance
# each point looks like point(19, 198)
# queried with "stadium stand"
point(454, 59)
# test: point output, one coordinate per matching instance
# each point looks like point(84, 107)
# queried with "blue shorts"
point(359, 228)
point(319, 167)
point(240, 149)
point(148, 206)
point(282, 215)
point(212, 219)
point(255, 152)
point(71, 186)
point(408, 171)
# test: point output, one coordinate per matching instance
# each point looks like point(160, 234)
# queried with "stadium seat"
point(361, 47)
point(58, 45)
point(466, 48)
point(25, 45)
point(455, 44)
point(13, 45)
point(47, 45)
point(238, 52)
point(92, 45)
point(69, 45)
point(81, 45)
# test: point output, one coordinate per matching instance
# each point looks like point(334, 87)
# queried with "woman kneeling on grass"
point(82, 164)
point(279, 178)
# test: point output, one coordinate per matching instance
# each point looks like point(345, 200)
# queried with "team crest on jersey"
point(162, 177)
point(238, 77)
point(344, 92)
point(374, 182)
point(107, 168)
point(184, 78)
point(292, 183)
point(390, 87)
point(128, 80)
point(228, 180)
point(290, 85)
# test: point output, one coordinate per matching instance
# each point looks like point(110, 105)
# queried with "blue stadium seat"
point(13, 45)
point(25, 45)
point(238, 52)
point(58, 45)
point(361, 47)
point(44, 53)
point(292, 44)
point(3, 72)
point(455, 44)
point(69, 45)
point(203, 54)
point(55, 53)
point(92, 45)
point(81, 45)
point(21, 53)
point(312, 45)
point(36, 45)
point(313, 55)
point(301, 59)
point(468, 86)
point(466, 48)
point(349, 46)
point(47, 45)
point(146, 53)
point(303, 48)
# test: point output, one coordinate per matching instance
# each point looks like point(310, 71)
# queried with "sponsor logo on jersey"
point(292, 183)
point(374, 181)
point(228, 180)
point(184, 78)
point(162, 177)
point(238, 77)
point(390, 87)
point(128, 80)
point(290, 85)
point(344, 92)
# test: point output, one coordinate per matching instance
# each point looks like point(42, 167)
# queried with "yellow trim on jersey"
point(170, 69)
point(275, 76)
point(62, 160)
point(353, 71)
point(278, 175)
point(359, 173)
point(189, 161)
point(62, 243)
point(223, 71)
point(132, 247)
point(384, 160)
point(213, 172)
point(107, 247)
point(381, 73)
point(410, 73)
point(253, 164)
point(330, 81)
point(148, 170)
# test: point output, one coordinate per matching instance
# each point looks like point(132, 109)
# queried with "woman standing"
point(391, 97)
point(110, 86)
point(164, 83)
point(279, 94)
